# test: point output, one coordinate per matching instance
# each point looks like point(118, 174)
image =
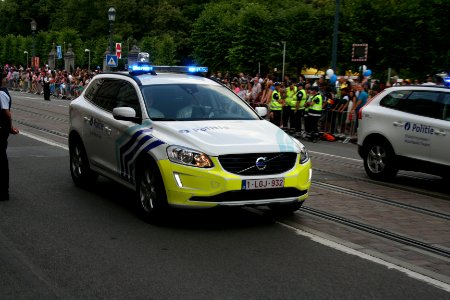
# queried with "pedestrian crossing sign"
point(111, 60)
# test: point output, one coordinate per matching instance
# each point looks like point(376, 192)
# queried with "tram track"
point(42, 115)
point(377, 231)
point(40, 128)
point(38, 115)
point(359, 166)
point(383, 200)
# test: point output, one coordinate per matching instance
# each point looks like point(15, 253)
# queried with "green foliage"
point(162, 50)
point(212, 36)
point(409, 36)
point(253, 35)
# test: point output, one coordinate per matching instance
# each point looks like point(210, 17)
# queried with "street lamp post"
point(33, 30)
point(284, 59)
point(26, 52)
point(89, 61)
point(109, 49)
point(111, 18)
point(335, 37)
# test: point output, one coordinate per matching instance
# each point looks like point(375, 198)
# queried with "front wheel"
point(152, 199)
point(80, 170)
point(379, 161)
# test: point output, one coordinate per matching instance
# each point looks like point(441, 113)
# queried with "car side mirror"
point(126, 114)
point(262, 111)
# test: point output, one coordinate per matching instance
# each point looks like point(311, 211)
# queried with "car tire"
point(80, 170)
point(151, 194)
point(284, 209)
point(379, 161)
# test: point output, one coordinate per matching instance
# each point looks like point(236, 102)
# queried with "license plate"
point(259, 184)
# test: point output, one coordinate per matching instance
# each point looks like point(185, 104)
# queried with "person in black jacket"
point(46, 81)
point(6, 128)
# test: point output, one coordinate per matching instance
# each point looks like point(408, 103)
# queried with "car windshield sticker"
point(208, 128)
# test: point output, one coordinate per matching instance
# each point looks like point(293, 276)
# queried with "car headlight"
point(304, 156)
point(186, 156)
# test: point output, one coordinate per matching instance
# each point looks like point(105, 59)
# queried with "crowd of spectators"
point(341, 99)
point(63, 84)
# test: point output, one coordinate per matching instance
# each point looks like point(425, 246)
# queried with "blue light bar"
point(140, 68)
point(144, 67)
point(197, 69)
point(447, 81)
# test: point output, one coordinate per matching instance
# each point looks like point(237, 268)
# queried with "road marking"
point(348, 250)
point(44, 140)
point(335, 156)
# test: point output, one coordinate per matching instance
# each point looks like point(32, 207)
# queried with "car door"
point(440, 140)
point(97, 124)
point(104, 130)
point(399, 121)
point(123, 132)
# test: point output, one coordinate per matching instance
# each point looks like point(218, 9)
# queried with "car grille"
point(246, 164)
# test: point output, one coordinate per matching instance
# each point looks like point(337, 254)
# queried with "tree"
point(253, 35)
point(234, 35)
point(212, 36)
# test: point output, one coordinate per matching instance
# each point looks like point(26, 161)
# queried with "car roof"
point(162, 78)
point(419, 88)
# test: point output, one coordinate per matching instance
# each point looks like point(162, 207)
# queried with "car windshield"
point(187, 102)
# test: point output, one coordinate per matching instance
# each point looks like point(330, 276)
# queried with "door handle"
point(440, 132)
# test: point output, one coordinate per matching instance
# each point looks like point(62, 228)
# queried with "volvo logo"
point(261, 163)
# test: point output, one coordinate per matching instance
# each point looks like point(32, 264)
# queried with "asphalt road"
point(61, 242)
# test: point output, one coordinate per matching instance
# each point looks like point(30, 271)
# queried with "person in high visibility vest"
point(288, 118)
point(314, 112)
point(276, 105)
point(298, 108)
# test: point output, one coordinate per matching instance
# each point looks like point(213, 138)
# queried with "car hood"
point(226, 137)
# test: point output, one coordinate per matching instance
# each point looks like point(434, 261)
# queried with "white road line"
point(348, 250)
point(44, 140)
point(335, 156)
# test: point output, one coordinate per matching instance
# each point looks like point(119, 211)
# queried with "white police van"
point(183, 140)
point(406, 128)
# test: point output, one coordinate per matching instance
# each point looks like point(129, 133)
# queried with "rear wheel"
point(285, 208)
point(379, 161)
point(80, 170)
point(152, 199)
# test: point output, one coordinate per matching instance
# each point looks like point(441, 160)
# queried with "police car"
point(180, 139)
point(407, 128)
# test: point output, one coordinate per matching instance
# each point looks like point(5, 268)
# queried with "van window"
point(393, 100)
point(446, 107)
point(423, 103)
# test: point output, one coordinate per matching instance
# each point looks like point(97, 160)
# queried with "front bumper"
point(195, 187)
